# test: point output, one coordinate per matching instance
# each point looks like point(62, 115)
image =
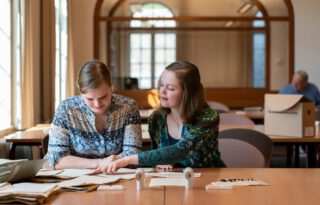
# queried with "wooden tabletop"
point(275, 138)
point(130, 195)
point(252, 114)
point(31, 135)
point(286, 186)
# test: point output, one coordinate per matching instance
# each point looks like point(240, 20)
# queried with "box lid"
point(281, 102)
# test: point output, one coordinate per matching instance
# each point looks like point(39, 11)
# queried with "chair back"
point(245, 148)
point(317, 115)
point(234, 119)
point(218, 106)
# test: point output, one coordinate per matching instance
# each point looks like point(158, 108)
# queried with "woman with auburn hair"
point(184, 130)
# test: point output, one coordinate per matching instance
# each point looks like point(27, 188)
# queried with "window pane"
point(135, 40)
point(5, 65)
point(171, 41)
point(160, 40)
point(170, 56)
point(146, 56)
point(144, 83)
point(160, 56)
point(145, 70)
point(61, 28)
point(156, 49)
point(135, 56)
point(258, 60)
point(145, 41)
point(135, 70)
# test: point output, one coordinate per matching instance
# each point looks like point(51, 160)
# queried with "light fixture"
point(135, 7)
point(245, 8)
point(229, 24)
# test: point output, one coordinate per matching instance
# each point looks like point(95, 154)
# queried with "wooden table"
point(34, 136)
point(286, 186)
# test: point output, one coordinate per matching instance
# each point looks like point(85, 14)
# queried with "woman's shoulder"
point(123, 100)
point(156, 117)
point(207, 114)
point(72, 102)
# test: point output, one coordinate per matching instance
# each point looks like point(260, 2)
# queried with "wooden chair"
point(44, 146)
point(245, 148)
point(317, 115)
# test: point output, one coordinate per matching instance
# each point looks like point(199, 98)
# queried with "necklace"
point(177, 125)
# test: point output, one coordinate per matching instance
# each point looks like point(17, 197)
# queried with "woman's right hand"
point(105, 162)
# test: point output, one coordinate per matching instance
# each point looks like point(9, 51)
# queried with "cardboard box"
point(289, 115)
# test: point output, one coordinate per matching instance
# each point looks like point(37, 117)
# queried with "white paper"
point(127, 170)
point(48, 173)
point(170, 174)
point(120, 176)
point(230, 184)
point(88, 180)
point(5, 162)
point(154, 182)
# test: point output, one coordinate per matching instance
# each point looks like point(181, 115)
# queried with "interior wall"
point(82, 19)
point(307, 38)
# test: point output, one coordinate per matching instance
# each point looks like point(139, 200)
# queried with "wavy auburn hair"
point(193, 100)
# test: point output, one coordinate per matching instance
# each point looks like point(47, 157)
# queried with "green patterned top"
point(197, 147)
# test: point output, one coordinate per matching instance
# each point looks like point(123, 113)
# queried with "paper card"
point(170, 174)
point(154, 182)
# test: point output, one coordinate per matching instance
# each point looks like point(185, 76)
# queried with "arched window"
point(259, 53)
point(150, 51)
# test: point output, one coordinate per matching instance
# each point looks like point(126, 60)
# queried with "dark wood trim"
point(190, 29)
point(291, 38)
point(96, 28)
point(232, 97)
point(194, 18)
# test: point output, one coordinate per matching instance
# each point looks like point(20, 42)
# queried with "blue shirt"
point(310, 91)
point(73, 130)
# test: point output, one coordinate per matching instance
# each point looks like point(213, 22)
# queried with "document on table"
point(65, 173)
point(154, 182)
point(228, 184)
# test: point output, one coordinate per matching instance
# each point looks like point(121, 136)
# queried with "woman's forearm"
point(73, 162)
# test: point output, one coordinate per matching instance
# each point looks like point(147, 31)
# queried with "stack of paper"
point(28, 193)
point(6, 167)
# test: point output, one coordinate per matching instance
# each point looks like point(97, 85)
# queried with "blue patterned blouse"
point(73, 130)
point(198, 146)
